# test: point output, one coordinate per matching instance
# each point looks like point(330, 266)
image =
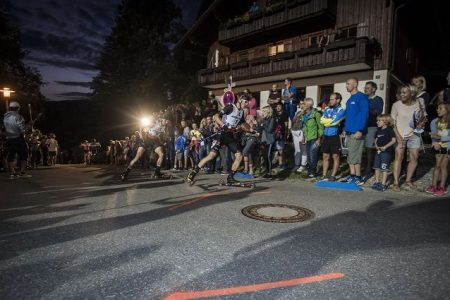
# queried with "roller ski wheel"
point(223, 182)
point(189, 181)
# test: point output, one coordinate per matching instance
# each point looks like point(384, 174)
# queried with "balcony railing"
point(297, 11)
point(339, 53)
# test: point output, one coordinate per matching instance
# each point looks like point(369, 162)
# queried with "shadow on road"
point(307, 251)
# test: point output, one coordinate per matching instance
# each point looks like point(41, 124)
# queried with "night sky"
point(65, 37)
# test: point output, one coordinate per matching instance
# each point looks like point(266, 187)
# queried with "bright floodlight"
point(145, 121)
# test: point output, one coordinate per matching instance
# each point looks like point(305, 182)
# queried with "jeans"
point(313, 155)
point(290, 108)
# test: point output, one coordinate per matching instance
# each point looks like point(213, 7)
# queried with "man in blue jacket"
point(356, 116)
point(332, 117)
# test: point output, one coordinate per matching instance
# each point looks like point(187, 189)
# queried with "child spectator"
point(384, 142)
point(180, 144)
point(195, 136)
point(440, 138)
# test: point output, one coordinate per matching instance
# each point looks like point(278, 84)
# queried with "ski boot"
point(191, 176)
point(124, 175)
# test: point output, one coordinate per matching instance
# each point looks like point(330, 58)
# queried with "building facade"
point(317, 43)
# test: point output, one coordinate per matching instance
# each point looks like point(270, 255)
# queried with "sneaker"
point(323, 178)
point(300, 169)
point(24, 175)
point(431, 189)
point(13, 176)
point(267, 176)
point(376, 186)
point(358, 180)
point(332, 178)
point(311, 175)
point(440, 191)
point(349, 179)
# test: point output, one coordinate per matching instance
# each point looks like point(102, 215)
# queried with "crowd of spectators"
point(293, 134)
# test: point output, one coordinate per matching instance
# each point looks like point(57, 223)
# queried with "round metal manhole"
point(277, 213)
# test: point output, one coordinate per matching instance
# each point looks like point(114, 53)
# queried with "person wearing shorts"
point(149, 142)
point(384, 144)
point(231, 122)
point(331, 145)
point(356, 116)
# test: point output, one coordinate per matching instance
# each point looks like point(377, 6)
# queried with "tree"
point(135, 63)
point(25, 80)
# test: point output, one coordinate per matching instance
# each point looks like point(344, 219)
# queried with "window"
point(346, 33)
point(276, 49)
point(313, 41)
point(272, 50)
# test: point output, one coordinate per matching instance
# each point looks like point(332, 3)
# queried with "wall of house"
point(374, 18)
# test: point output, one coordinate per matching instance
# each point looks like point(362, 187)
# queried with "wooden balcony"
point(340, 53)
point(295, 18)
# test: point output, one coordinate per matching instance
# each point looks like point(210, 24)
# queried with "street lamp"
point(7, 94)
point(145, 121)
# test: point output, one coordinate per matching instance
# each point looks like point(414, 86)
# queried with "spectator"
point(274, 97)
point(87, 154)
point(300, 156)
point(280, 132)
point(187, 152)
point(356, 115)
point(44, 150)
point(94, 147)
point(331, 120)
point(313, 132)
point(423, 96)
point(376, 105)
point(404, 114)
point(267, 138)
point(52, 145)
point(445, 93)
point(180, 145)
point(384, 144)
point(249, 140)
point(290, 98)
point(251, 102)
point(195, 137)
point(440, 135)
point(35, 141)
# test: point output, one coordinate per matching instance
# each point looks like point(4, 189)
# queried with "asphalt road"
point(79, 233)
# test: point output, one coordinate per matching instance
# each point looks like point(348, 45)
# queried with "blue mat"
point(338, 186)
point(243, 176)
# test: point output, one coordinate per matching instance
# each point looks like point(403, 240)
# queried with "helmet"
point(228, 98)
point(13, 104)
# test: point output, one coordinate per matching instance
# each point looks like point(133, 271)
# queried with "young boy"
point(384, 142)
point(180, 144)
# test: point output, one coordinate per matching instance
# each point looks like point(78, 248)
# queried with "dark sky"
point(65, 37)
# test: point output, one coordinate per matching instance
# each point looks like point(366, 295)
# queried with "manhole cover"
point(278, 213)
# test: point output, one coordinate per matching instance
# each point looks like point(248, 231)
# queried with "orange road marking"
point(252, 288)
point(191, 201)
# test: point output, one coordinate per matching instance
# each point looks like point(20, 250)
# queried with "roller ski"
point(190, 177)
point(159, 175)
point(124, 175)
point(230, 181)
